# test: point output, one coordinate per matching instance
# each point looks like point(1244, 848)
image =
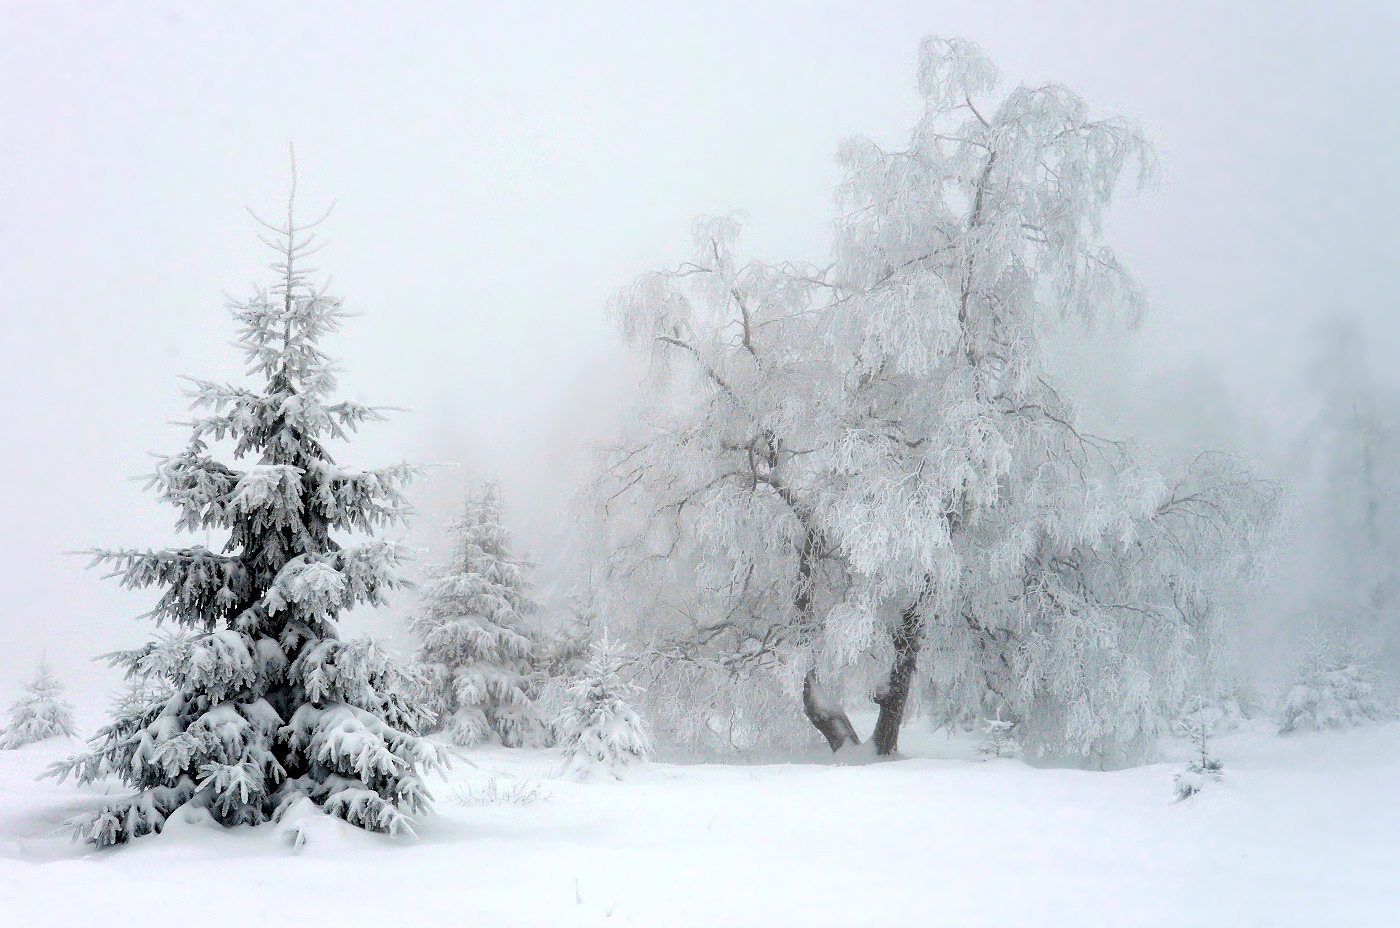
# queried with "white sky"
point(501, 168)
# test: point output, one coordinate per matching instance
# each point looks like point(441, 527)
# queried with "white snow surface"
point(1304, 831)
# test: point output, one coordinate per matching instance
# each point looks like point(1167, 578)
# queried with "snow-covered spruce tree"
point(1332, 693)
point(562, 651)
point(477, 645)
point(258, 702)
point(39, 714)
point(598, 727)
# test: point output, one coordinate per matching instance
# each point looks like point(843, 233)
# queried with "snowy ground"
point(1306, 831)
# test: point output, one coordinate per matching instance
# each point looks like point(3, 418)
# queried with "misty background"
point(498, 172)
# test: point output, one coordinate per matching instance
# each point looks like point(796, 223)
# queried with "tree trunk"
point(894, 695)
point(826, 714)
point(821, 709)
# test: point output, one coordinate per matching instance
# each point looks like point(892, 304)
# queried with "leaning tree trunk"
point(822, 710)
point(826, 713)
point(894, 695)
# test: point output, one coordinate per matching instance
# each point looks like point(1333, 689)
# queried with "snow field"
point(1302, 832)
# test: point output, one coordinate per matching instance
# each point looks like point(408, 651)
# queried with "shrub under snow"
point(1336, 694)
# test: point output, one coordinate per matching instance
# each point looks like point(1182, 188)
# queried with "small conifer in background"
point(40, 714)
point(598, 727)
point(478, 648)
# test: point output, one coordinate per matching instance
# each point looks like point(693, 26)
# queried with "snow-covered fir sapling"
point(561, 655)
point(477, 645)
point(598, 727)
point(39, 714)
point(996, 738)
point(1198, 726)
point(1333, 693)
point(257, 705)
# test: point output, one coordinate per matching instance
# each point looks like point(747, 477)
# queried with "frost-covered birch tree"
point(477, 645)
point(872, 460)
point(1091, 638)
point(710, 499)
point(953, 257)
point(257, 702)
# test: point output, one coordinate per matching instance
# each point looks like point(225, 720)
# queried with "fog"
point(498, 170)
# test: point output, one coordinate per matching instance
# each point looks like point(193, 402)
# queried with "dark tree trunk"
point(824, 712)
point(821, 709)
point(894, 695)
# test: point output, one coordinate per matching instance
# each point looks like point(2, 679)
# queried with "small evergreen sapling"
point(478, 649)
point(561, 655)
point(39, 714)
point(256, 706)
point(1198, 726)
point(599, 727)
point(997, 740)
